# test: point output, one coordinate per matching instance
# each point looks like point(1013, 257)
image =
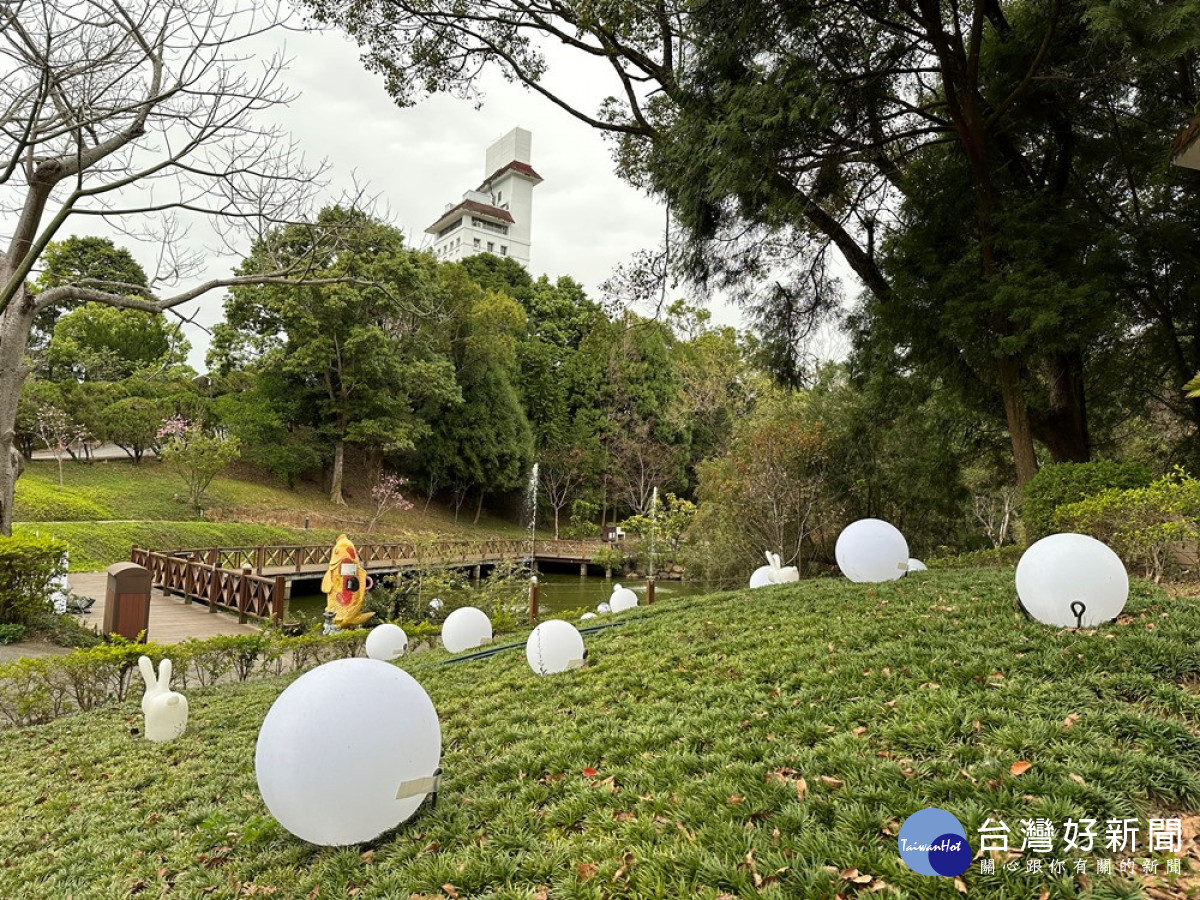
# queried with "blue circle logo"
point(933, 842)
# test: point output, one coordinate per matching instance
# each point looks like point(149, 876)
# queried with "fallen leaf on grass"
point(590, 773)
point(1078, 779)
point(1020, 767)
point(736, 799)
point(1070, 720)
point(855, 877)
point(833, 783)
point(960, 885)
point(450, 891)
point(587, 870)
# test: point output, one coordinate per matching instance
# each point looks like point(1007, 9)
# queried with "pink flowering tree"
point(387, 495)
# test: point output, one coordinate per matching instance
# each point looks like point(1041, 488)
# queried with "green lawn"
point(105, 507)
point(700, 717)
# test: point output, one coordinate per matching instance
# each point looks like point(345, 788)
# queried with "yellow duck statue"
point(345, 583)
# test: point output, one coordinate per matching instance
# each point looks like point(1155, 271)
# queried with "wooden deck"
point(171, 620)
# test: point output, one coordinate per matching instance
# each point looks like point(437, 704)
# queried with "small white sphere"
point(871, 550)
point(554, 646)
point(587, 615)
point(603, 608)
point(1072, 580)
point(465, 629)
point(915, 565)
point(336, 746)
point(622, 599)
point(435, 604)
point(761, 577)
point(386, 642)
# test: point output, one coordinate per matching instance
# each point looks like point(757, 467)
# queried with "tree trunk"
point(1064, 428)
point(15, 323)
point(1017, 413)
point(556, 523)
point(339, 462)
point(479, 508)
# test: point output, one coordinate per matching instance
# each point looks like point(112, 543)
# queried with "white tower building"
point(495, 217)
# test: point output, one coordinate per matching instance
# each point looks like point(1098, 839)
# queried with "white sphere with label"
point(1072, 580)
point(554, 646)
point(915, 565)
point(871, 551)
point(339, 744)
point(622, 599)
point(386, 642)
point(761, 577)
point(465, 629)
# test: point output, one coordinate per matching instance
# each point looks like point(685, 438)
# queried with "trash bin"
point(127, 600)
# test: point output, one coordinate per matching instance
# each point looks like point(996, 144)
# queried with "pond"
point(559, 591)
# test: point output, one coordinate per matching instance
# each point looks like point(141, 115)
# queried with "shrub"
point(11, 633)
point(611, 559)
point(36, 501)
point(992, 557)
point(1148, 527)
point(27, 563)
point(1063, 483)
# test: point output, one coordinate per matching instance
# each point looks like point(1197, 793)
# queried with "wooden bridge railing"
point(238, 591)
point(231, 578)
point(400, 554)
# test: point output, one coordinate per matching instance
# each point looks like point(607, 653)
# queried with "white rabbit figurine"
point(166, 711)
point(780, 575)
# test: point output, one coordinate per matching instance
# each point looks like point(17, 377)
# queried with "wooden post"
point(260, 555)
point(533, 600)
point(583, 570)
point(649, 591)
point(477, 574)
point(243, 594)
point(279, 600)
point(214, 587)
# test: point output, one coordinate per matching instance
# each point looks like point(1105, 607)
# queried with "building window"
point(499, 196)
point(504, 250)
point(476, 243)
point(491, 247)
point(489, 226)
point(449, 228)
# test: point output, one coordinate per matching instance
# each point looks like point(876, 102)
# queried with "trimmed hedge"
point(37, 689)
point(36, 501)
point(1062, 483)
point(991, 558)
point(27, 563)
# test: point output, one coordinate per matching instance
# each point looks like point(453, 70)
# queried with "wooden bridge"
point(253, 581)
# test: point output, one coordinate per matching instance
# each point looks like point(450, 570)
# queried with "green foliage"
point(37, 501)
point(11, 632)
point(611, 558)
point(990, 557)
point(1062, 483)
point(663, 532)
point(1150, 527)
point(584, 514)
point(97, 342)
point(198, 457)
point(27, 563)
point(132, 424)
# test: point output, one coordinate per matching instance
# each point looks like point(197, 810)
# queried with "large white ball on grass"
point(386, 642)
point(915, 565)
point(465, 629)
point(338, 745)
point(554, 646)
point(622, 599)
point(1072, 580)
point(761, 577)
point(871, 550)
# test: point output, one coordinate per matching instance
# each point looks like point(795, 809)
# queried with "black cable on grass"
point(492, 651)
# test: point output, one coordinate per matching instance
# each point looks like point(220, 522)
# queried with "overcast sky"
point(586, 220)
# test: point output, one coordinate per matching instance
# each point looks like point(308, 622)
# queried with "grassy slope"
point(920, 693)
point(105, 507)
